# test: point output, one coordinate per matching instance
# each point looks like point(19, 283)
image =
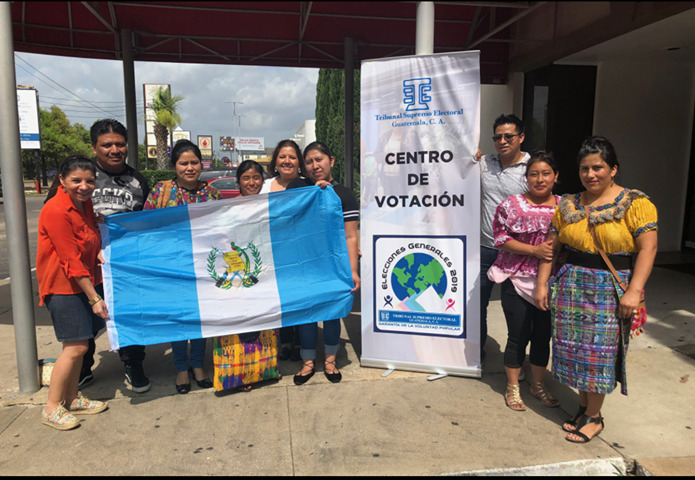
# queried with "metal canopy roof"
point(288, 34)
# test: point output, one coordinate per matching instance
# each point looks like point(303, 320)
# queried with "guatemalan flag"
point(226, 266)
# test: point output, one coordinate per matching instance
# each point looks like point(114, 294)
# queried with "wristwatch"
point(95, 300)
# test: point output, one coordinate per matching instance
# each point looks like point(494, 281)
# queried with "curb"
point(589, 468)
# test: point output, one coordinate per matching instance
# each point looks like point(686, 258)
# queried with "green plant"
point(154, 176)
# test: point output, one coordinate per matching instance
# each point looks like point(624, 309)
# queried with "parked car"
point(227, 186)
point(213, 173)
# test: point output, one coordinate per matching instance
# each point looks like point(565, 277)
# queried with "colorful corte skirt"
point(589, 340)
point(240, 360)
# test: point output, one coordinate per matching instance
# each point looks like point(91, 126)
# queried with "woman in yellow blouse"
point(591, 314)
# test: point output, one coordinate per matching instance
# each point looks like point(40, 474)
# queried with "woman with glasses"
point(590, 311)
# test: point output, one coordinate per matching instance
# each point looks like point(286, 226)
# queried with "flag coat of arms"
point(224, 267)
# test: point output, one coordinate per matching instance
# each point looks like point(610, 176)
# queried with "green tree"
point(59, 139)
point(166, 118)
point(330, 120)
point(142, 155)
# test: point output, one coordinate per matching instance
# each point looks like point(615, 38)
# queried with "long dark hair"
point(248, 165)
point(282, 144)
point(320, 146)
point(541, 156)
point(183, 146)
point(600, 145)
point(70, 164)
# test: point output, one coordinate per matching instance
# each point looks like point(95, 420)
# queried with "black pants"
point(487, 258)
point(130, 355)
point(525, 323)
point(290, 335)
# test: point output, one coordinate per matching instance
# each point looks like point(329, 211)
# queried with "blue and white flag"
point(224, 267)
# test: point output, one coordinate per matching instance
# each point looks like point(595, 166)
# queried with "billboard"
point(28, 110)
point(180, 134)
point(150, 90)
point(250, 144)
point(205, 146)
point(226, 144)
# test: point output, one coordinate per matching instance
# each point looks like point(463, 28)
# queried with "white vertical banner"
point(29, 118)
point(420, 213)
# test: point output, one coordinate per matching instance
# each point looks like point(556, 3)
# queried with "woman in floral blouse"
point(184, 189)
point(521, 227)
point(591, 314)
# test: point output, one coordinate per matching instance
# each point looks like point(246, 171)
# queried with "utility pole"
point(239, 133)
point(233, 125)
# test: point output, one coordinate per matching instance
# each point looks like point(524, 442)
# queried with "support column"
point(129, 86)
point(424, 29)
point(349, 109)
point(16, 214)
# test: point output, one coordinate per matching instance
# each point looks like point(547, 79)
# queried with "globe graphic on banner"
point(416, 272)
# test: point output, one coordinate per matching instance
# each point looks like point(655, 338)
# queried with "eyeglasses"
point(507, 137)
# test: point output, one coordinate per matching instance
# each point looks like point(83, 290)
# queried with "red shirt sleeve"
point(68, 245)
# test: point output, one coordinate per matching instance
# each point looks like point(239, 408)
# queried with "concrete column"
point(424, 29)
point(129, 86)
point(349, 109)
point(16, 214)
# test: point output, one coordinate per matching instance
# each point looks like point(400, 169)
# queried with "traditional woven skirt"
point(239, 360)
point(589, 340)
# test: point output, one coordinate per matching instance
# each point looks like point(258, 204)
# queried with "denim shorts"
point(72, 316)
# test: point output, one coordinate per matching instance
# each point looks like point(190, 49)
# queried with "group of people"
point(544, 250)
point(530, 239)
point(69, 257)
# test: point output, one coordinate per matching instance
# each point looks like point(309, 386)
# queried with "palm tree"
point(166, 118)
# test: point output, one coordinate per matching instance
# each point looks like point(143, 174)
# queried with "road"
point(33, 205)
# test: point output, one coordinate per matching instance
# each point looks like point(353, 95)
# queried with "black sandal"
point(584, 421)
point(302, 379)
point(573, 421)
point(334, 377)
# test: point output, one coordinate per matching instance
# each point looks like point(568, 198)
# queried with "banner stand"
point(420, 213)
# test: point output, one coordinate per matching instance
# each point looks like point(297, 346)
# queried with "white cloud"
point(273, 101)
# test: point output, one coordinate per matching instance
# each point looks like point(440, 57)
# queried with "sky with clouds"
point(272, 102)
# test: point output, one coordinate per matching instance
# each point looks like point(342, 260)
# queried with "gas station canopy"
point(287, 34)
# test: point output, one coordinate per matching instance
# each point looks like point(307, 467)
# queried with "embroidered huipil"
point(518, 219)
point(617, 224)
point(181, 196)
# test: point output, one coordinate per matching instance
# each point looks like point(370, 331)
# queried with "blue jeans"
point(308, 336)
point(180, 353)
point(487, 258)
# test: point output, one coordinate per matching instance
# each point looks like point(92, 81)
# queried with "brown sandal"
point(539, 391)
point(512, 397)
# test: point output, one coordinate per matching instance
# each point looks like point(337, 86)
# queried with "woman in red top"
point(69, 276)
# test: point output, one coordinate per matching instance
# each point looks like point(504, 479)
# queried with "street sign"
point(29, 125)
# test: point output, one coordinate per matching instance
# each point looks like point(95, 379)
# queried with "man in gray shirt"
point(501, 175)
point(119, 189)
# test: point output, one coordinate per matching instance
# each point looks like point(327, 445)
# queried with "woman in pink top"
point(521, 228)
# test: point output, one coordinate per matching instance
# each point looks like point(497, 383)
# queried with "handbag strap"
point(164, 194)
point(602, 253)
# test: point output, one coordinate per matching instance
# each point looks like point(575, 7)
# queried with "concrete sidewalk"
point(368, 424)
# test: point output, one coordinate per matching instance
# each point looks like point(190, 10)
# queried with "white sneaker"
point(522, 375)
